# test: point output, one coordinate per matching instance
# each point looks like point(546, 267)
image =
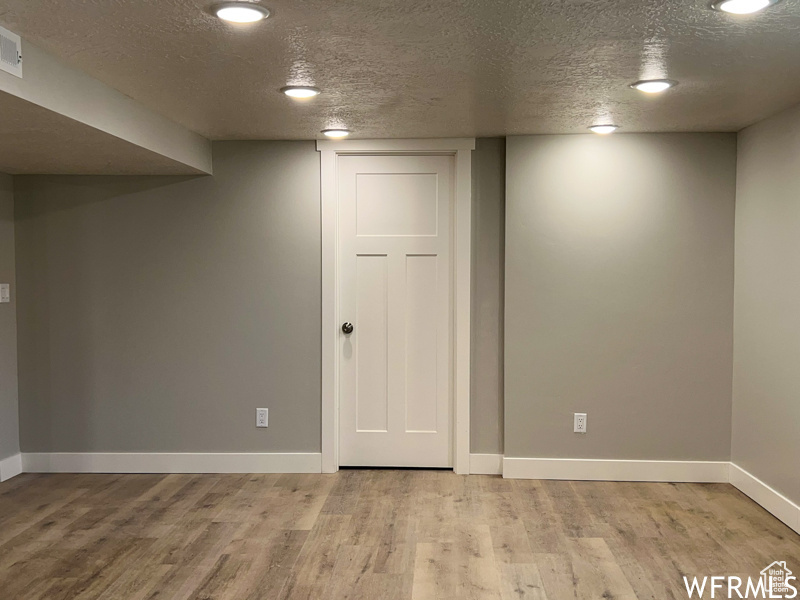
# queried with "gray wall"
point(766, 388)
point(619, 295)
point(156, 313)
point(488, 242)
point(9, 431)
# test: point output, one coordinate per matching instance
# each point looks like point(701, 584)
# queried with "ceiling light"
point(604, 129)
point(336, 133)
point(742, 7)
point(300, 91)
point(241, 12)
point(653, 86)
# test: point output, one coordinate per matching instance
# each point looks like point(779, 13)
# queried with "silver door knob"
point(347, 328)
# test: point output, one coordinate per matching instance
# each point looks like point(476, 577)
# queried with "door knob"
point(347, 328)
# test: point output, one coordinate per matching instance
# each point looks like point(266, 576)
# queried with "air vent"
point(10, 52)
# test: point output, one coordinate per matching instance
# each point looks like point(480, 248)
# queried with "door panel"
point(395, 287)
point(421, 335)
point(396, 204)
point(372, 309)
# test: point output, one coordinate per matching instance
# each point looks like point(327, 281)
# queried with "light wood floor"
point(373, 535)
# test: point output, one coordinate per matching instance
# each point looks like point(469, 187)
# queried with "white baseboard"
point(485, 464)
point(616, 470)
point(773, 501)
point(131, 462)
point(10, 467)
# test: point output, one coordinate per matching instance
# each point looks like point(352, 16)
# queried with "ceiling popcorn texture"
point(430, 68)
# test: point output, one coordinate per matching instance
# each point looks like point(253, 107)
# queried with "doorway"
point(396, 241)
point(395, 377)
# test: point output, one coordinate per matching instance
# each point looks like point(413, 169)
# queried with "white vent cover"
point(10, 52)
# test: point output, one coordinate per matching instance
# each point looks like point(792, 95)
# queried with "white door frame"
point(461, 149)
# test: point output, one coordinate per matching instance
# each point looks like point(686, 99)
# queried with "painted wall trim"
point(652, 470)
point(616, 470)
point(444, 145)
point(486, 464)
point(10, 467)
point(480, 464)
point(330, 150)
point(761, 493)
point(132, 462)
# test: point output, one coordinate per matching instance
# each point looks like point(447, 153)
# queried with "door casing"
point(461, 149)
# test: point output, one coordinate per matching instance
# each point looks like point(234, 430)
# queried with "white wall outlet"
point(580, 422)
point(262, 417)
point(5, 293)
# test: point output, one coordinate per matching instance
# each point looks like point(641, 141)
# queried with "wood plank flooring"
point(380, 534)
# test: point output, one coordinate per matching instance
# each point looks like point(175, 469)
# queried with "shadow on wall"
point(74, 191)
point(488, 258)
point(51, 200)
point(156, 313)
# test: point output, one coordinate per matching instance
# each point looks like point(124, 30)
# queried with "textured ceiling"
point(430, 68)
point(36, 140)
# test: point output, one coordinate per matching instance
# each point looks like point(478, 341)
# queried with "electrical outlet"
point(262, 417)
point(580, 422)
point(5, 293)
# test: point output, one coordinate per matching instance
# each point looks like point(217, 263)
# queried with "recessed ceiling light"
point(604, 129)
point(336, 133)
point(653, 86)
point(240, 12)
point(742, 7)
point(300, 91)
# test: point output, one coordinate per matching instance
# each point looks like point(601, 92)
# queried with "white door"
point(395, 291)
